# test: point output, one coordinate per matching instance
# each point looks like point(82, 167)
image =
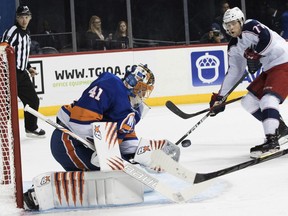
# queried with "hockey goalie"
point(104, 117)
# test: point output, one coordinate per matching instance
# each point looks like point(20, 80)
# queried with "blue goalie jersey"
point(105, 100)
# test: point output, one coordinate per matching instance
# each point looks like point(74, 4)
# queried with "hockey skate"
point(283, 132)
point(30, 201)
point(38, 133)
point(270, 146)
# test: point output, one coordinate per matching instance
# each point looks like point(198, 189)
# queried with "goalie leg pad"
point(86, 189)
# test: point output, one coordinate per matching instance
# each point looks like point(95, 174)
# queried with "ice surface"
point(217, 143)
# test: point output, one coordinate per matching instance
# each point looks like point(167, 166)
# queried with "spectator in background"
point(224, 6)
point(120, 39)
point(49, 39)
point(214, 35)
point(284, 22)
point(273, 18)
point(35, 48)
point(95, 36)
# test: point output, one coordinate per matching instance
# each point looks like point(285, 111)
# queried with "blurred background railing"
point(63, 24)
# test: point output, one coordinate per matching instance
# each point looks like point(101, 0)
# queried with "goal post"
point(11, 189)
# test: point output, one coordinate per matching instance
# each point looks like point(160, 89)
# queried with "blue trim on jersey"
point(105, 100)
point(261, 31)
point(65, 110)
point(233, 42)
point(270, 113)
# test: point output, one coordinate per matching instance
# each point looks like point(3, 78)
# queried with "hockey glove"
point(146, 147)
point(253, 60)
point(215, 100)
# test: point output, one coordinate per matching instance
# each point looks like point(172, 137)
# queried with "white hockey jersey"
point(272, 47)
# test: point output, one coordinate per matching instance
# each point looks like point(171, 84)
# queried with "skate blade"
point(31, 135)
point(283, 140)
point(259, 154)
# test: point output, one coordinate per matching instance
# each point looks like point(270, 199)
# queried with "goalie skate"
point(30, 200)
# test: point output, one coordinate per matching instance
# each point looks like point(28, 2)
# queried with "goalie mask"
point(140, 84)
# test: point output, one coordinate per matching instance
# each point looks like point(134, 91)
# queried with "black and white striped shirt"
point(20, 40)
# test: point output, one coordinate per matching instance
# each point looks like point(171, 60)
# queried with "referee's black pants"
point(28, 95)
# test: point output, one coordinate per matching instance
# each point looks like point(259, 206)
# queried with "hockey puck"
point(186, 143)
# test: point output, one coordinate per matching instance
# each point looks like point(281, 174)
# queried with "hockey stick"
point(176, 110)
point(130, 169)
point(187, 143)
point(27, 108)
point(162, 160)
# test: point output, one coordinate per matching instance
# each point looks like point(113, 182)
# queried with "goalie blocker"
point(110, 186)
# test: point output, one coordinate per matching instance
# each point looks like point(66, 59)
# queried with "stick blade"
point(173, 108)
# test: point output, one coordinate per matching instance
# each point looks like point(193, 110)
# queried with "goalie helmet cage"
point(10, 157)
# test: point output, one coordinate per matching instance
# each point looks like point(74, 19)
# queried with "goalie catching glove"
point(146, 147)
point(144, 151)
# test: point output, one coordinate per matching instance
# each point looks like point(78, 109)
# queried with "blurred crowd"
point(48, 41)
point(97, 37)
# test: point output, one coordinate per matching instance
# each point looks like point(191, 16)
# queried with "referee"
point(18, 37)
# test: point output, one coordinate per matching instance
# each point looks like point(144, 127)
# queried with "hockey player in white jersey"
point(255, 45)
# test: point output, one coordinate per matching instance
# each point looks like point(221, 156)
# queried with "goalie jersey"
point(105, 100)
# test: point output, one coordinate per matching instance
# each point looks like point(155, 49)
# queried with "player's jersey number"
point(95, 92)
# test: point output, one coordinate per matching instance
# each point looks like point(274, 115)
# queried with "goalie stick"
point(176, 169)
point(87, 144)
point(130, 169)
point(176, 110)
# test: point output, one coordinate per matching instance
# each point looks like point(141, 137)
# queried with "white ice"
point(217, 143)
